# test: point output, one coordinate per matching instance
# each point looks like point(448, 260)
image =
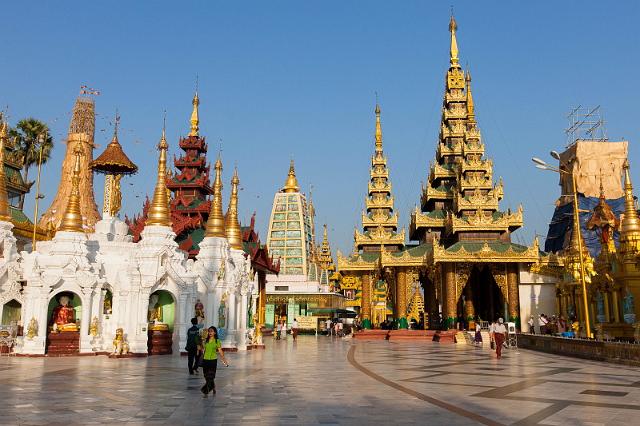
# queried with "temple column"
point(230, 338)
point(85, 338)
point(401, 298)
point(607, 316)
point(469, 310)
point(514, 296)
point(449, 295)
point(616, 306)
point(262, 297)
point(365, 309)
point(242, 319)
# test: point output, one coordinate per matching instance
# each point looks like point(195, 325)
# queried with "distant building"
point(303, 287)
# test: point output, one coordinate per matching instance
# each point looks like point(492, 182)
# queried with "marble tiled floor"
point(324, 381)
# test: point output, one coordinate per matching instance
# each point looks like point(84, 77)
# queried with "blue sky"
point(284, 79)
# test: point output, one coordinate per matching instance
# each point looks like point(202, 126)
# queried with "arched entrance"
point(161, 318)
point(481, 298)
point(63, 326)
point(12, 312)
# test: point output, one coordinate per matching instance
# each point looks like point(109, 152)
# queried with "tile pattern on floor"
point(324, 381)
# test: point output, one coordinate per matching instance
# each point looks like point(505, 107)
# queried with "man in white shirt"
point(499, 334)
point(294, 329)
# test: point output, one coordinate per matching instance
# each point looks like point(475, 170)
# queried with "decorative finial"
point(471, 114)
point(5, 212)
point(231, 223)
point(72, 218)
point(630, 226)
point(453, 51)
point(291, 185)
point(159, 209)
point(378, 129)
point(215, 223)
point(195, 120)
point(601, 186)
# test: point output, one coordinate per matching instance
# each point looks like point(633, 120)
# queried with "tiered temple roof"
point(461, 201)
point(190, 186)
point(379, 220)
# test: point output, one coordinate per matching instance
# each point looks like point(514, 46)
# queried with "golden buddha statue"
point(155, 314)
point(64, 316)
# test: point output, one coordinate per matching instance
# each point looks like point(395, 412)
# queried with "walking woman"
point(212, 347)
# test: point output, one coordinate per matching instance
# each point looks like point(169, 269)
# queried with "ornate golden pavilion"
point(464, 260)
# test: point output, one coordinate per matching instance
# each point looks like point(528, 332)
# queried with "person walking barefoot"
point(212, 348)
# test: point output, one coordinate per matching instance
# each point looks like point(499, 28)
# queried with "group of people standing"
point(553, 325)
point(281, 329)
point(204, 351)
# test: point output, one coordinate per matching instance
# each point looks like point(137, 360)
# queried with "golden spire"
point(325, 237)
point(72, 218)
point(215, 223)
point(291, 185)
point(453, 52)
point(159, 210)
point(378, 129)
point(630, 226)
point(471, 112)
point(231, 223)
point(5, 213)
point(195, 120)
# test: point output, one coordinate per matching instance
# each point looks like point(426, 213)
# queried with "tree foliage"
point(28, 136)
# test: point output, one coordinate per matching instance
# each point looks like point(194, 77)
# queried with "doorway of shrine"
point(63, 326)
point(481, 299)
point(11, 325)
point(12, 313)
point(431, 318)
point(161, 318)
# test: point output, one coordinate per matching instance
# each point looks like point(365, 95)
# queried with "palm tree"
point(28, 136)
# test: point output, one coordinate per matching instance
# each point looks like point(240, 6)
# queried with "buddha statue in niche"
point(155, 314)
point(64, 316)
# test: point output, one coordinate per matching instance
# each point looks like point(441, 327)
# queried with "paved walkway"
point(324, 381)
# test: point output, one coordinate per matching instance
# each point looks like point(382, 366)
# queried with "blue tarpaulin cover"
point(562, 224)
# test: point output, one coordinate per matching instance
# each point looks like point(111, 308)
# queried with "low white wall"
point(537, 296)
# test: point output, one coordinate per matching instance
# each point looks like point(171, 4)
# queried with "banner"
point(308, 322)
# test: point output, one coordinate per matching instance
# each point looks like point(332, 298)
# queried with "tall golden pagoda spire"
point(215, 223)
point(378, 130)
point(453, 51)
point(630, 225)
point(231, 223)
point(195, 120)
point(159, 209)
point(471, 110)
point(291, 185)
point(72, 218)
point(379, 221)
point(5, 213)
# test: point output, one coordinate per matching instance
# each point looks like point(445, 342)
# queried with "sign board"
point(307, 322)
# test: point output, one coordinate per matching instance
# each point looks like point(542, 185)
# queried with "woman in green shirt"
point(211, 347)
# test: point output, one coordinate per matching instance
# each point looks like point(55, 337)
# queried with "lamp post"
point(540, 164)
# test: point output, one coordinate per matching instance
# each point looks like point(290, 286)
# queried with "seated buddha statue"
point(64, 316)
point(155, 314)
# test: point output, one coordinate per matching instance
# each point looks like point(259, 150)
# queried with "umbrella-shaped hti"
point(114, 163)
